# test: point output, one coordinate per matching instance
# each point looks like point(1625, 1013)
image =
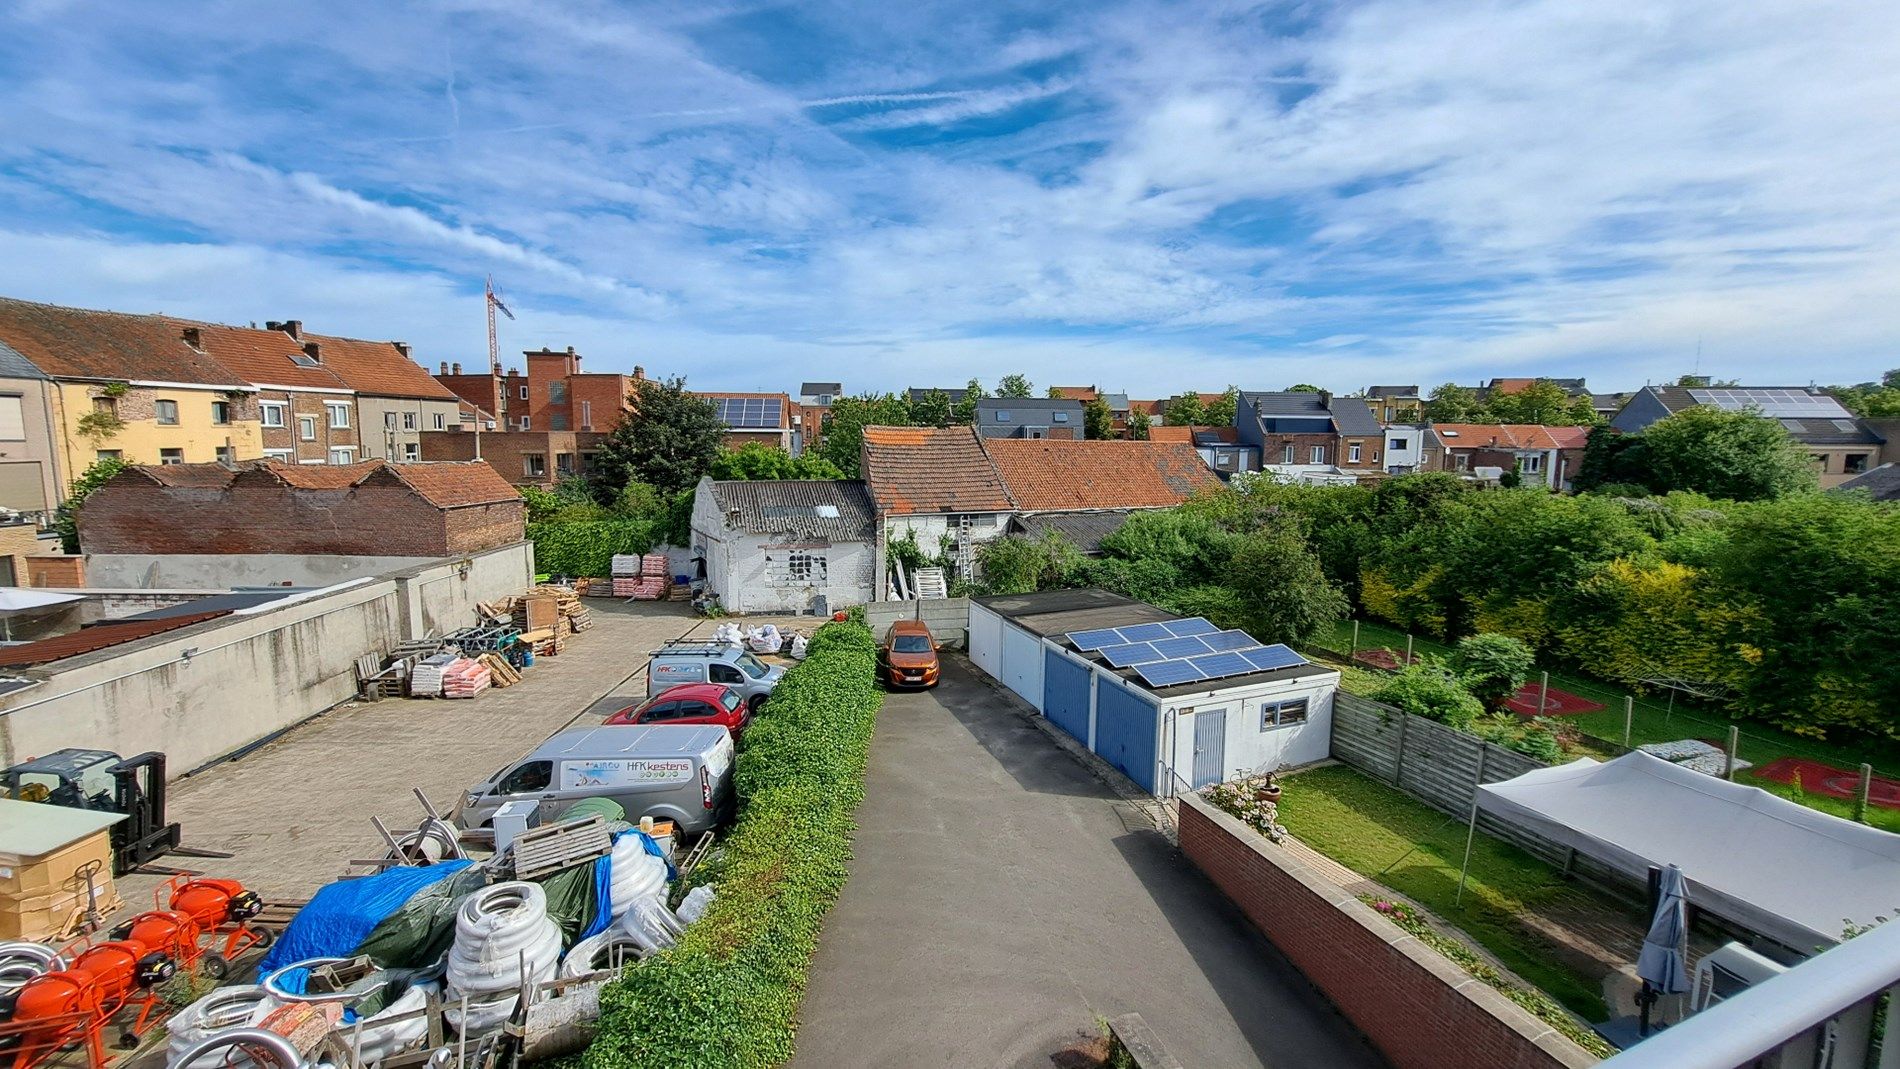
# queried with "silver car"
point(681, 773)
point(713, 662)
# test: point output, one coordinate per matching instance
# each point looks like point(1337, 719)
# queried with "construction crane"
point(493, 301)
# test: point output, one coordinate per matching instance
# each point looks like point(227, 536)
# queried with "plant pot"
point(1267, 794)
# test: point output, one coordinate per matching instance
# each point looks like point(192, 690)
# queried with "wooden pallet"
point(542, 851)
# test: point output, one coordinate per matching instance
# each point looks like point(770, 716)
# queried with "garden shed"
point(1175, 703)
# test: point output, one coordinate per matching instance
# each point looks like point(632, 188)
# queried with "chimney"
point(271, 324)
point(456, 368)
point(1326, 399)
point(639, 372)
point(194, 338)
point(292, 327)
point(309, 348)
point(445, 368)
point(402, 347)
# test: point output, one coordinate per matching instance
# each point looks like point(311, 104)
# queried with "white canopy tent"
point(1788, 872)
point(17, 601)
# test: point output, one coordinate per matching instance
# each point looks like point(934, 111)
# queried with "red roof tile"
point(1510, 436)
point(87, 344)
point(444, 484)
point(261, 357)
point(377, 368)
point(1076, 393)
point(1049, 474)
point(97, 637)
point(930, 470)
point(451, 484)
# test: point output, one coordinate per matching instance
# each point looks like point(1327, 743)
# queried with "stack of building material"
point(425, 681)
point(653, 583)
point(465, 678)
point(500, 672)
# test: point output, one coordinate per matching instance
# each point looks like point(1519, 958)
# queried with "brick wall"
point(1273, 451)
point(508, 452)
point(1420, 1010)
point(18, 541)
point(257, 515)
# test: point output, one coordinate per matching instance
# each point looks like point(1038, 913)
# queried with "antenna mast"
point(493, 301)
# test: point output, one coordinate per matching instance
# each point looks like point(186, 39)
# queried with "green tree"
point(964, 411)
point(1015, 386)
point(1304, 387)
point(1492, 667)
point(1055, 393)
point(1221, 412)
point(1098, 422)
point(669, 441)
point(1542, 402)
point(1452, 403)
point(1737, 456)
point(1428, 690)
point(1017, 565)
point(844, 434)
point(1583, 413)
point(1186, 410)
point(757, 461)
point(1872, 400)
point(1283, 591)
point(1139, 425)
point(931, 410)
point(66, 517)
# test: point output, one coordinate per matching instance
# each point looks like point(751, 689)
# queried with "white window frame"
point(307, 428)
point(339, 414)
point(524, 391)
point(278, 454)
point(109, 454)
point(441, 421)
point(411, 452)
point(524, 423)
point(1318, 454)
point(347, 453)
point(270, 413)
point(528, 469)
point(158, 412)
point(177, 457)
point(1273, 714)
point(1353, 452)
point(1534, 464)
point(389, 420)
point(409, 421)
point(1286, 455)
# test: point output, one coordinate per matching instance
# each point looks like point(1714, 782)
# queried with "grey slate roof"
point(1284, 403)
point(1830, 432)
point(791, 507)
point(15, 366)
point(1392, 391)
point(1085, 530)
point(917, 393)
point(812, 389)
point(1882, 482)
point(1354, 418)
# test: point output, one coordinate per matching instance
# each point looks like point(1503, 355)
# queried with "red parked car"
point(690, 703)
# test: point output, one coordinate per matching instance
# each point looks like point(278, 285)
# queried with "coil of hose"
point(503, 937)
point(220, 1011)
point(22, 961)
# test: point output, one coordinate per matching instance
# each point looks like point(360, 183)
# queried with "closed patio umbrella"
point(1662, 965)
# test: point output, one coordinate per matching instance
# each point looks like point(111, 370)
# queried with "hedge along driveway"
point(586, 547)
point(728, 994)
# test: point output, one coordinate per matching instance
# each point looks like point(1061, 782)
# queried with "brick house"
point(1839, 445)
point(396, 398)
point(1303, 430)
point(1539, 454)
point(1029, 417)
point(370, 510)
point(522, 458)
point(304, 412)
point(548, 422)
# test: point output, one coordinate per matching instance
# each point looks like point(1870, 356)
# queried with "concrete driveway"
point(1002, 900)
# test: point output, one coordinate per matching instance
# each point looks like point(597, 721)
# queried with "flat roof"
point(1055, 614)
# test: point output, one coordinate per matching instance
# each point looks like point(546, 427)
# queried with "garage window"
point(1283, 714)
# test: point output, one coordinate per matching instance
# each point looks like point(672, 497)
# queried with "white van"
point(680, 772)
point(713, 662)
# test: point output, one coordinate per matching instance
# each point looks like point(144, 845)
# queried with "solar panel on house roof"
point(1219, 665)
point(1270, 658)
point(1094, 640)
point(1168, 673)
point(1145, 632)
point(1230, 640)
point(1181, 647)
point(1131, 654)
point(1775, 404)
point(1194, 625)
point(750, 411)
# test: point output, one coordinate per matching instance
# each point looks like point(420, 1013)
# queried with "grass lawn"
point(1656, 720)
point(1386, 835)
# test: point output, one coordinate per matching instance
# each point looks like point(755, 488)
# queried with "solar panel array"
point(1775, 404)
point(1183, 651)
point(751, 412)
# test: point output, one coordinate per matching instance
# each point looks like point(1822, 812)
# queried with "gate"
point(1210, 747)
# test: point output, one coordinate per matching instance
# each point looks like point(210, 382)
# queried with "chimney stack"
point(445, 368)
point(457, 368)
point(402, 347)
point(292, 327)
point(194, 338)
point(639, 372)
point(1325, 399)
point(310, 349)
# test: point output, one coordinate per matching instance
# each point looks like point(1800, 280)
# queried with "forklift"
point(99, 780)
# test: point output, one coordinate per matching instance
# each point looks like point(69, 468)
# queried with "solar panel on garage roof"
point(1144, 632)
point(1193, 625)
point(1269, 658)
point(1220, 665)
point(1131, 654)
point(1095, 640)
point(1173, 648)
point(1168, 673)
point(1230, 640)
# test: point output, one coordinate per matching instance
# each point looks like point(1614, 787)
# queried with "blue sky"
point(1148, 197)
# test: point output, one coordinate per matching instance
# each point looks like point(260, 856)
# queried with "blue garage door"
point(1065, 694)
point(1125, 732)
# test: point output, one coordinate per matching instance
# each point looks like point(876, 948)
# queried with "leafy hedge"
point(586, 547)
point(728, 994)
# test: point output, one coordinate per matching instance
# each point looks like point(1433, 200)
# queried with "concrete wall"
point(35, 454)
point(220, 570)
point(247, 675)
point(949, 619)
point(389, 425)
point(1420, 1010)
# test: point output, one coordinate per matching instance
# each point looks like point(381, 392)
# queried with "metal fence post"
point(1629, 717)
point(1355, 641)
point(1543, 694)
point(1408, 649)
point(1860, 796)
point(1734, 744)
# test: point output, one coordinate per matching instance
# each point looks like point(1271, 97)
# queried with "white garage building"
point(1104, 669)
point(792, 546)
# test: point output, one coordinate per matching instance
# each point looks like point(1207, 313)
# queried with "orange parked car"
point(908, 657)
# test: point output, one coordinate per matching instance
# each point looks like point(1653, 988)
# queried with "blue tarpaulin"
point(342, 915)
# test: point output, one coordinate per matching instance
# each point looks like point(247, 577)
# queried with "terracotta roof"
point(931, 470)
point(260, 357)
point(1197, 433)
point(1510, 436)
point(377, 368)
point(82, 343)
point(444, 484)
point(1051, 474)
point(97, 637)
point(1075, 393)
point(452, 484)
point(213, 476)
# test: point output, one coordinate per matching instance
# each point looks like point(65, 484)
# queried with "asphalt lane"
point(1003, 901)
